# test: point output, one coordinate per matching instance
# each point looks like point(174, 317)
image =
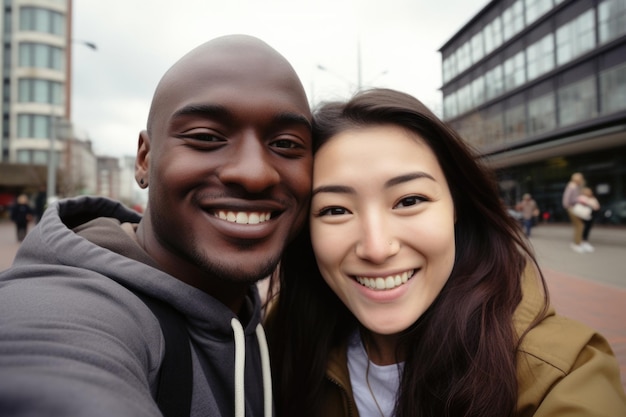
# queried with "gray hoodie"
point(76, 341)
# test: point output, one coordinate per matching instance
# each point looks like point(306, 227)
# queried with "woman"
point(570, 197)
point(587, 198)
point(425, 300)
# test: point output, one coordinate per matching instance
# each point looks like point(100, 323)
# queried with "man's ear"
point(142, 161)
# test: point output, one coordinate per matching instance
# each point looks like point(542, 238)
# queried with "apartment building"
point(538, 87)
point(36, 126)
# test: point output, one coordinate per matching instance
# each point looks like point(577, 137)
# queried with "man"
point(227, 159)
point(528, 208)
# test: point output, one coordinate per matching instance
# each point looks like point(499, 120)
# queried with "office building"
point(538, 87)
point(35, 73)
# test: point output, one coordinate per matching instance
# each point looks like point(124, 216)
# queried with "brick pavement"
point(599, 306)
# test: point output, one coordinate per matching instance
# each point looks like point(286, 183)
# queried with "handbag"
point(582, 211)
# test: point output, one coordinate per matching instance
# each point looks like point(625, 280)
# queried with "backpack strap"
point(173, 395)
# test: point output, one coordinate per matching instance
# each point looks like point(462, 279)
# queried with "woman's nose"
point(377, 242)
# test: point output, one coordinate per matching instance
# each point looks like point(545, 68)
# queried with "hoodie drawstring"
point(240, 359)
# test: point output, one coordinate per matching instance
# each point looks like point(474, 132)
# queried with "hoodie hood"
point(82, 240)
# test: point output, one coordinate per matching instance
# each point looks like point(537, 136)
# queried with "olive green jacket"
point(564, 368)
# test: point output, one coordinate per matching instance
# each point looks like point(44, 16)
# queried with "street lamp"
point(54, 126)
point(359, 78)
point(359, 83)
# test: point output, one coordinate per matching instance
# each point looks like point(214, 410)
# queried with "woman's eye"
point(332, 211)
point(410, 201)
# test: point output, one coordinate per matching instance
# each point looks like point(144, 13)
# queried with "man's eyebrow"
point(204, 110)
point(292, 118)
point(408, 177)
point(218, 111)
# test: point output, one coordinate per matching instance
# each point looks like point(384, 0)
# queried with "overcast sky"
point(138, 40)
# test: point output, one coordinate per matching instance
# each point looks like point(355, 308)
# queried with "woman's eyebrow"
point(339, 189)
point(408, 177)
point(344, 189)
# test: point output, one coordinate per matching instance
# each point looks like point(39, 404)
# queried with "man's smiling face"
point(229, 160)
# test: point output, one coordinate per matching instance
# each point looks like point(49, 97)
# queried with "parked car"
point(614, 213)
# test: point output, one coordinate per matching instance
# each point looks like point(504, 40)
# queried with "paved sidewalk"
point(8, 243)
point(588, 287)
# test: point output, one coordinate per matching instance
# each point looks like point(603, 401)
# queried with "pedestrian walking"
point(41, 201)
point(21, 215)
point(570, 197)
point(529, 209)
point(587, 199)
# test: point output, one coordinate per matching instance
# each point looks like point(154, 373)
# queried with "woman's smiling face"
point(382, 224)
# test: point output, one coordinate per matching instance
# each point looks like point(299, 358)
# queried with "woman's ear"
point(142, 161)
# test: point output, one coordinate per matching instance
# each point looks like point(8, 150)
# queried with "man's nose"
point(250, 165)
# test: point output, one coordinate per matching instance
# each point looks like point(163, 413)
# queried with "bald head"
point(239, 58)
point(229, 131)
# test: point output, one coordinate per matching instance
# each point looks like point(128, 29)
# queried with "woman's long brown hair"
point(460, 355)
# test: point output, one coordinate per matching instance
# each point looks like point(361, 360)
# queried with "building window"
point(478, 91)
point(493, 35)
point(541, 114)
point(23, 156)
point(611, 19)
point(463, 57)
point(515, 123)
point(40, 157)
point(577, 101)
point(33, 126)
point(42, 20)
point(540, 57)
point(494, 83)
point(471, 129)
point(38, 55)
point(536, 9)
point(464, 98)
point(478, 49)
point(515, 71)
point(575, 38)
point(494, 133)
point(513, 19)
point(448, 67)
point(33, 90)
point(450, 106)
point(613, 89)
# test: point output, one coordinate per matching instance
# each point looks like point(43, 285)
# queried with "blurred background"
point(537, 87)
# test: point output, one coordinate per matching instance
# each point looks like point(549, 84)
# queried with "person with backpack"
point(109, 313)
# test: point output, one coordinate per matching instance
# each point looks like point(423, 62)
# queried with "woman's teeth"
point(386, 283)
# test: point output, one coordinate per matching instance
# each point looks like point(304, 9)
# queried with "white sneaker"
point(587, 247)
point(577, 248)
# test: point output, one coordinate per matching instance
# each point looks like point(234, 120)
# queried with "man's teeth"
point(243, 217)
point(385, 283)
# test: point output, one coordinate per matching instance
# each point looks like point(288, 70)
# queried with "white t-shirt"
point(384, 381)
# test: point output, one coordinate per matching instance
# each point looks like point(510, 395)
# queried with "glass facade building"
point(35, 73)
point(538, 88)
